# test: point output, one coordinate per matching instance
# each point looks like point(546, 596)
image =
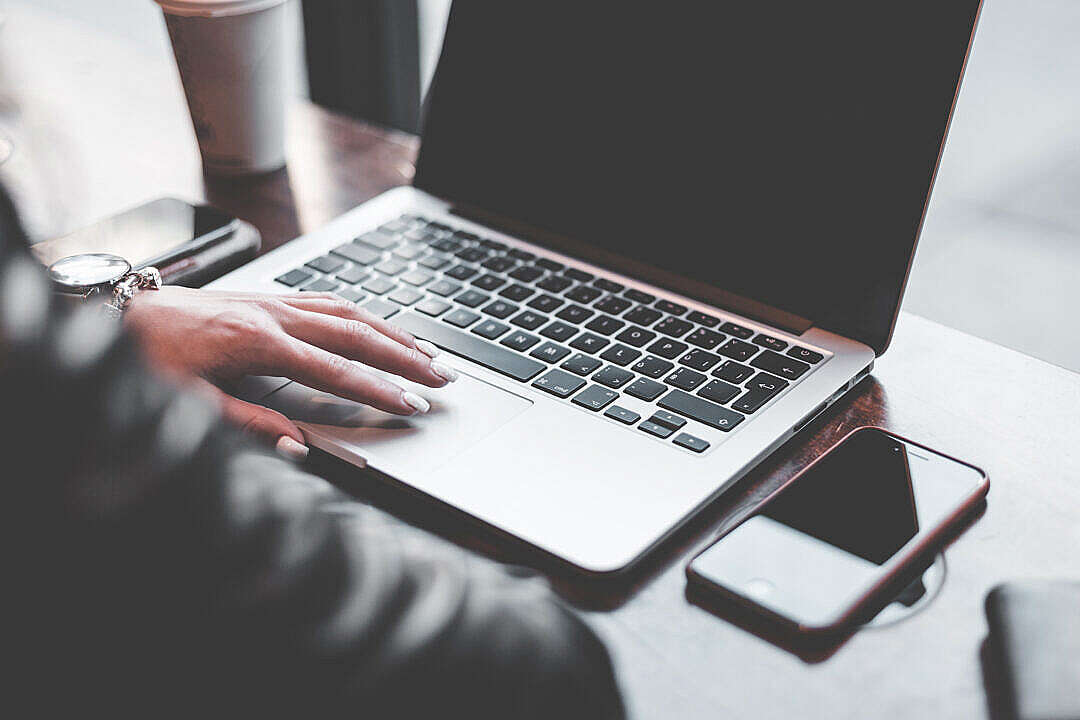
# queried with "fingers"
point(328, 304)
point(330, 372)
point(360, 341)
point(264, 423)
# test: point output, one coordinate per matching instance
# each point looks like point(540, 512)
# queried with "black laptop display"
point(781, 151)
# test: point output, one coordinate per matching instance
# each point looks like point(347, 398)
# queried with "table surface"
point(97, 128)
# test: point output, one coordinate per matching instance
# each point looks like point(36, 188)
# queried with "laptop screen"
point(781, 151)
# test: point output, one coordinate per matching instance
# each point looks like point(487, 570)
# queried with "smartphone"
point(842, 530)
point(157, 232)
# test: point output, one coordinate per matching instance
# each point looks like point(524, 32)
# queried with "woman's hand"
point(308, 337)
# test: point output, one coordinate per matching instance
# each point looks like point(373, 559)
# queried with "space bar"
point(483, 353)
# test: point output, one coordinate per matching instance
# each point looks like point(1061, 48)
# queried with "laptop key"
point(574, 314)
point(705, 338)
point(378, 240)
point(617, 412)
point(669, 349)
point(517, 293)
point(321, 285)
point(434, 262)
point(559, 383)
point(498, 264)
point(719, 391)
point(529, 320)
point(752, 400)
point(581, 364)
point(685, 379)
point(444, 288)
point(733, 372)
point(579, 275)
point(409, 252)
point(473, 254)
point(472, 298)
point(378, 285)
point(490, 329)
point(500, 309)
point(351, 295)
point(417, 277)
point(765, 382)
point(392, 267)
point(691, 442)
point(546, 303)
point(554, 283)
point(381, 308)
point(550, 352)
point(405, 296)
point(604, 324)
point(612, 304)
point(738, 331)
point(801, 353)
point(326, 264)
point(493, 244)
point(460, 318)
point(738, 350)
point(635, 336)
point(360, 254)
point(639, 297)
point(594, 398)
point(669, 307)
point(550, 265)
point(770, 342)
point(526, 273)
point(701, 410)
point(479, 351)
point(293, 277)
point(646, 389)
point(613, 377)
point(583, 294)
point(523, 255)
point(663, 417)
point(518, 340)
point(620, 354)
point(653, 429)
point(559, 331)
point(433, 307)
point(784, 367)
point(461, 272)
point(353, 275)
point(608, 285)
point(652, 366)
point(642, 315)
point(590, 342)
point(488, 282)
point(699, 359)
point(673, 327)
point(446, 245)
point(702, 319)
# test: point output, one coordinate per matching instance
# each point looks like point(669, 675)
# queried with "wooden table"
point(97, 128)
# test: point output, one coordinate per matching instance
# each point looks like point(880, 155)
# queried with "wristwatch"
point(102, 275)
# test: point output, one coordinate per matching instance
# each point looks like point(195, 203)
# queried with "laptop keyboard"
point(583, 339)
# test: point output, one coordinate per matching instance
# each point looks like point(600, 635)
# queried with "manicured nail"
point(446, 372)
point(416, 402)
point(427, 348)
point(291, 449)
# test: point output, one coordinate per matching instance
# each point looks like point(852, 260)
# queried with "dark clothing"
point(160, 566)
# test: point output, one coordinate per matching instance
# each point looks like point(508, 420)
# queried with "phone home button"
point(758, 588)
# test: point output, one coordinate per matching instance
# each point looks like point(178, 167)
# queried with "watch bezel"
point(87, 288)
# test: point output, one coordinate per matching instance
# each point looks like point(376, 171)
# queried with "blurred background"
point(999, 256)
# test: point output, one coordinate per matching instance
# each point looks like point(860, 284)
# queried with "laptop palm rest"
point(462, 414)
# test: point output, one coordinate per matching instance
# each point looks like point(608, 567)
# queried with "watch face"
point(88, 270)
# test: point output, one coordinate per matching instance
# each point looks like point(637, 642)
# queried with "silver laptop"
point(655, 243)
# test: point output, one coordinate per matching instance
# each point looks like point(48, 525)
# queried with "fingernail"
point(291, 449)
point(446, 372)
point(427, 348)
point(416, 402)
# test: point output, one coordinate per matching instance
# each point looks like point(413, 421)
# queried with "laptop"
point(656, 242)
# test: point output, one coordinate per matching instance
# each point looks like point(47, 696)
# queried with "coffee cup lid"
point(214, 8)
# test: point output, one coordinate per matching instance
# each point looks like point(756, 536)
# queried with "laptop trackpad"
point(462, 414)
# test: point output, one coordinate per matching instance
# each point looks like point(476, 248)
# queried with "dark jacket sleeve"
point(159, 566)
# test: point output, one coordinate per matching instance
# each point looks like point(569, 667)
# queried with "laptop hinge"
point(761, 312)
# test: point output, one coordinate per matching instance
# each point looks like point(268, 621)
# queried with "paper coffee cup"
point(231, 58)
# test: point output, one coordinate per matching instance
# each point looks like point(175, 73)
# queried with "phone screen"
point(827, 538)
point(142, 235)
